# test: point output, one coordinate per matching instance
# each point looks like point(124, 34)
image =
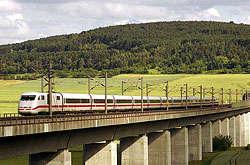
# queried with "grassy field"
point(206, 159)
point(240, 154)
point(77, 158)
point(11, 90)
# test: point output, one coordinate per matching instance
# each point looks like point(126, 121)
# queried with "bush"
point(80, 75)
point(248, 147)
point(111, 73)
point(222, 143)
point(63, 74)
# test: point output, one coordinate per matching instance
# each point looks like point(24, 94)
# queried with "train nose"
point(24, 105)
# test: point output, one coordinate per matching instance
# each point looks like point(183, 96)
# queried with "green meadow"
point(10, 90)
point(233, 156)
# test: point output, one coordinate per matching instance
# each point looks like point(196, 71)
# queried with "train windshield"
point(28, 97)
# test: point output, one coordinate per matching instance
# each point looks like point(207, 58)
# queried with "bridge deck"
point(13, 126)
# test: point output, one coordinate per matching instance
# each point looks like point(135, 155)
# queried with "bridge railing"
point(14, 119)
point(10, 120)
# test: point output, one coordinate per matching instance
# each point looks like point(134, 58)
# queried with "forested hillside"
point(169, 47)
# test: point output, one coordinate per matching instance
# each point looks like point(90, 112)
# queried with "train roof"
point(32, 93)
point(95, 96)
point(121, 97)
point(139, 97)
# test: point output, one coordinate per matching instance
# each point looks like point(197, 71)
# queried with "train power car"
point(32, 103)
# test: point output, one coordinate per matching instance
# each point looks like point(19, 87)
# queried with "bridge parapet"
point(13, 126)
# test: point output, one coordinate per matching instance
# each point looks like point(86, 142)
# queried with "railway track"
point(12, 119)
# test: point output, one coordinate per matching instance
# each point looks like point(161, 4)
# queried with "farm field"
point(11, 90)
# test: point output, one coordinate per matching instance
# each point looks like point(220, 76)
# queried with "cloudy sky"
point(22, 20)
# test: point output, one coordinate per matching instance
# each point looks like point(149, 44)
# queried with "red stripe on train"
point(119, 105)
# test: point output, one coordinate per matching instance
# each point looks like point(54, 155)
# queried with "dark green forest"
point(169, 47)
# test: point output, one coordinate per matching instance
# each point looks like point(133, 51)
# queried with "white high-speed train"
point(32, 103)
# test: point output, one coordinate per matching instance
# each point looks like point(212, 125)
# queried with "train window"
point(123, 101)
point(42, 98)
point(155, 101)
point(139, 101)
point(165, 101)
point(77, 100)
point(169, 101)
point(177, 101)
point(99, 101)
point(103, 101)
point(58, 97)
point(110, 101)
point(38, 98)
point(84, 100)
point(72, 100)
point(28, 97)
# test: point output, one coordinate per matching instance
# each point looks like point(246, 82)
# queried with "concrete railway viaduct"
point(160, 137)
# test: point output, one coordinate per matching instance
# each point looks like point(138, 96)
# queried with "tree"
point(221, 62)
point(222, 143)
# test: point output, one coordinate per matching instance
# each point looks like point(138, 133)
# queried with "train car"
point(123, 102)
point(155, 103)
point(32, 103)
point(74, 102)
point(98, 102)
point(137, 102)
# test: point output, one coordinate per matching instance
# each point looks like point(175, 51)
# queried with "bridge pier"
point(238, 130)
point(134, 150)
point(243, 129)
point(195, 142)
point(159, 148)
point(100, 153)
point(179, 146)
point(61, 157)
point(247, 128)
point(232, 131)
point(207, 137)
point(216, 127)
point(225, 127)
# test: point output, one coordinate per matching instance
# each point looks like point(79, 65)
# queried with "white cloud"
point(29, 19)
point(122, 22)
point(5, 23)
point(18, 23)
point(113, 11)
point(9, 5)
point(209, 14)
point(213, 12)
point(248, 19)
point(13, 29)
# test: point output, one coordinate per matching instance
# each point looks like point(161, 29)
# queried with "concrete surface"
point(207, 137)
point(194, 142)
point(61, 157)
point(159, 148)
point(134, 150)
point(179, 146)
point(100, 153)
